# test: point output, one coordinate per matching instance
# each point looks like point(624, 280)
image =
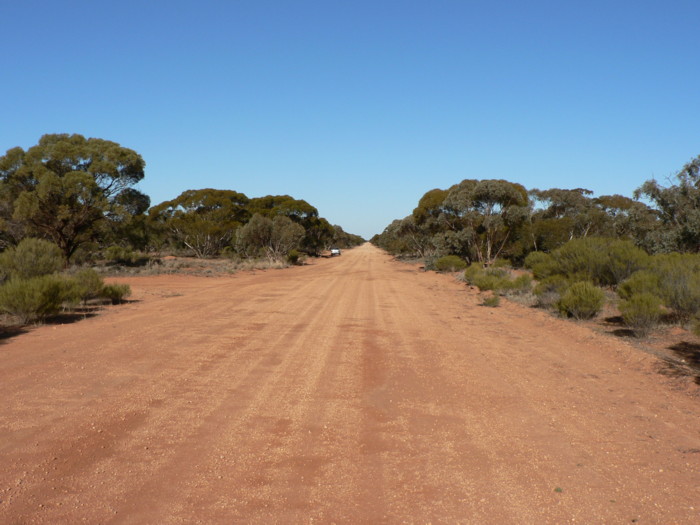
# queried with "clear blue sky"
point(360, 107)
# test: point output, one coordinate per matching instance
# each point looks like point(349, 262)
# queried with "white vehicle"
point(335, 251)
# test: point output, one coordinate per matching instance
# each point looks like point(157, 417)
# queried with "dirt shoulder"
point(351, 390)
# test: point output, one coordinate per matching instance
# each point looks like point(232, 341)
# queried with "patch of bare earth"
point(351, 390)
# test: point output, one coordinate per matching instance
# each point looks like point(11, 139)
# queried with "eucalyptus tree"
point(488, 213)
point(678, 206)
point(65, 188)
point(203, 220)
point(271, 238)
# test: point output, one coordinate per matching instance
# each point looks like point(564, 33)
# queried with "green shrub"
point(623, 260)
point(642, 281)
point(88, 284)
point(679, 282)
point(31, 258)
point(641, 312)
point(293, 257)
point(581, 259)
point(491, 279)
point(542, 264)
point(115, 292)
point(450, 263)
point(501, 263)
point(521, 284)
point(125, 256)
point(472, 270)
point(582, 300)
point(496, 279)
point(491, 301)
point(602, 261)
point(34, 299)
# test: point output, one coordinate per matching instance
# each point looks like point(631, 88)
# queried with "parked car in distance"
point(335, 251)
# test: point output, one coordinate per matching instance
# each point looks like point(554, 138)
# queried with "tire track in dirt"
point(352, 390)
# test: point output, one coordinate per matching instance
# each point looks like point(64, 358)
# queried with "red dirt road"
point(352, 390)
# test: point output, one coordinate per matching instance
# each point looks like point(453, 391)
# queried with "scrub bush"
point(34, 299)
point(605, 262)
point(641, 282)
point(293, 257)
point(125, 256)
point(521, 284)
point(449, 263)
point(582, 300)
point(88, 284)
point(115, 292)
point(485, 279)
point(492, 301)
point(31, 258)
point(496, 279)
point(679, 282)
point(623, 260)
point(641, 312)
point(542, 264)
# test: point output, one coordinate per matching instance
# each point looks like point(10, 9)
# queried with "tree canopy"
point(203, 220)
point(482, 220)
point(678, 206)
point(63, 188)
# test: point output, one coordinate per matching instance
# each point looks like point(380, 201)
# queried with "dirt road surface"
point(352, 390)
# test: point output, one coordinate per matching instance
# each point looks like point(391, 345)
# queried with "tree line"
point(79, 193)
point(484, 220)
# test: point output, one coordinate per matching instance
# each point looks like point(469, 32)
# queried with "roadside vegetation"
point(70, 212)
point(564, 249)
point(35, 287)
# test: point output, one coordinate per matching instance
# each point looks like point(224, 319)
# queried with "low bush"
point(125, 256)
point(542, 264)
point(501, 263)
point(31, 258)
point(491, 301)
point(605, 262)
point(498, 280)
point(521, 284)
point(623, 260)
point(88, 284)
point(486, 279)
point(34, 299)
point(293, 257)
point(115, 292)
point(679, 283)
point(450, 263)
point(471, 271)
point(641, 282)
point(641, 312)
point(582, 300)
point(581, 259)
